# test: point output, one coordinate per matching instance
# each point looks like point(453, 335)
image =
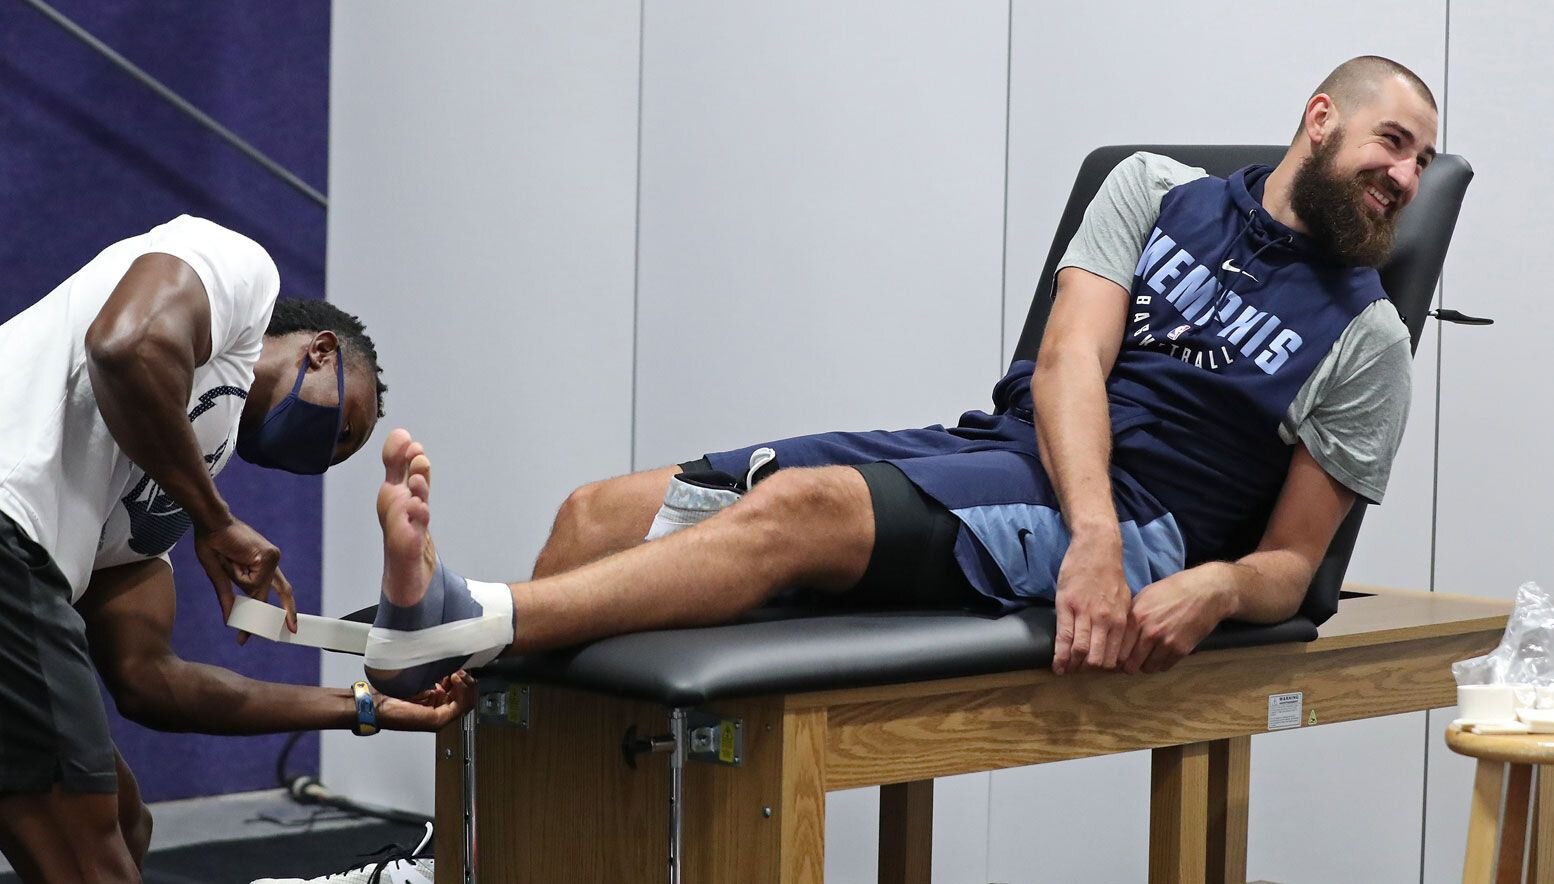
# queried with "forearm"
point(177, 695)
point(1073, 434)
point(1266, 586)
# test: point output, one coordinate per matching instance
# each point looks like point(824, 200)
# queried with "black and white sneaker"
point(693, 498)
point(396, 866)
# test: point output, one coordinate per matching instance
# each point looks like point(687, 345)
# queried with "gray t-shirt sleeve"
point(1350, 413)
point(1118, 220)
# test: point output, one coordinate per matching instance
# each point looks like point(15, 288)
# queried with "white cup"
point(1487, 702)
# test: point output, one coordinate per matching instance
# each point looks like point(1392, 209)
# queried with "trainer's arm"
point(1073, 433)
point(129, 612)
point(141, 353)
point(1172, 615)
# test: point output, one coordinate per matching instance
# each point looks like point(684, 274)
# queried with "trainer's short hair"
point(316, 315)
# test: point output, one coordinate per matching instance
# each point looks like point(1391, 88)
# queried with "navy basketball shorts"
point(53, 730)
point(913, 561)
point(976, 498)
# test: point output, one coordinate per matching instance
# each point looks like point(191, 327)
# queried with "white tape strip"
point(268, 621)
point(479, 638)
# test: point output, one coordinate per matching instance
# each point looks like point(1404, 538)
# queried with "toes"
point(397, 438)
point(420, 489)
point(396, 455)
point(421, 465)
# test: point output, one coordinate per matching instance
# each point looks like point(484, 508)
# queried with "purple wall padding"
point(89, 156)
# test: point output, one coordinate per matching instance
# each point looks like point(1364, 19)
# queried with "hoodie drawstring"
point(1221, 275)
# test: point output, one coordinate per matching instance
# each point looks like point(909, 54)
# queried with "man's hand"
point(428, 711)
point(236, 553)
point(1171, 616)
point(1092, 606)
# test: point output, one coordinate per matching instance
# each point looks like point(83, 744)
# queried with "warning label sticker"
point(1284, 710)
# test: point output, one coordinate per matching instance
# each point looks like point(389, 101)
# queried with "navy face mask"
point(297, 436)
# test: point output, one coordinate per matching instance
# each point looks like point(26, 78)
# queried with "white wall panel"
point(1497, 412)
point(822, 213)
point(821, 235)
point(1497, 409)
point(1308, 825)
point(1448, 787)
point(1083, 820)
point(482, 220)
point(1215, 71)
point(960, 833)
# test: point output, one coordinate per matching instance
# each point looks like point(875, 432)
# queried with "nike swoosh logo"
point(1231, 266)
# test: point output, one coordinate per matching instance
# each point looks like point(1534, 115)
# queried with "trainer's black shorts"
point(53, 729)
point(913, 561)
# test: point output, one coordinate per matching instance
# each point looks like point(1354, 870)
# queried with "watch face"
point(366, 711)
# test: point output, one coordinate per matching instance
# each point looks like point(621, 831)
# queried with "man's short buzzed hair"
point(1355, 81)
point(316, 315)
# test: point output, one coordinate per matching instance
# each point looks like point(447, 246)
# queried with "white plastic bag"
point(1525, 655)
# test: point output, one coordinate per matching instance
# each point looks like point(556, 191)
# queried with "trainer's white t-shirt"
point(63, 478)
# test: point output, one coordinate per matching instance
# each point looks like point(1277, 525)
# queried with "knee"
point(582, 506)
point(810, 498)
point(583, 515)
point(580, 533)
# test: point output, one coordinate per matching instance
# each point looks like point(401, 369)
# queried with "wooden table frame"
point(556, 802)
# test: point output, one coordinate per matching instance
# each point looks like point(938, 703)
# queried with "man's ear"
point(323, 344)
point(1321, 118)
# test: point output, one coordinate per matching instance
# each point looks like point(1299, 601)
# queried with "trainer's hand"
point(1092, 606)
point(429, 710)
point(1170, 617)
point(235, 553)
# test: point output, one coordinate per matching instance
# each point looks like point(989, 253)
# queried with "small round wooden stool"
point(1499, 849)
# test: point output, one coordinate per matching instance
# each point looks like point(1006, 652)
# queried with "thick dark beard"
point(1333, 209)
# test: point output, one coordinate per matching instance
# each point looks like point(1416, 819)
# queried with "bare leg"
point(602, 518)
point(802, 526)
point(65, 836)
point(134, 815)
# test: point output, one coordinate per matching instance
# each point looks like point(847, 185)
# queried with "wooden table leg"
point(803, 848)
point(1230, 776)
point(1478, 863)
point(1543, 828)
point(1178, 814)
point(762, 822)
point(906, 833)
point(1513, 826)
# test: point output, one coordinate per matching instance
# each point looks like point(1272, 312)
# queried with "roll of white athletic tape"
point(1487, 702)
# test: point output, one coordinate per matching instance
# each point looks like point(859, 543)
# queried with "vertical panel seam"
point(1003, 336)
point(1435, 465)
point(636, 245)
point(1003, 275)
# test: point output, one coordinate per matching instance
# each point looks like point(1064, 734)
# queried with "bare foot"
point(404, 512)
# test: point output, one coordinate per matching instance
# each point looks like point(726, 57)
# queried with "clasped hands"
point(1103, 627)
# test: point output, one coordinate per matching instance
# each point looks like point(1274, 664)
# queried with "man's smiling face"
point(1349, 191)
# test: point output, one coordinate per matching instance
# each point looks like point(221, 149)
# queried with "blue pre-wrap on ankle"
point(457, 624)
point(447, 599)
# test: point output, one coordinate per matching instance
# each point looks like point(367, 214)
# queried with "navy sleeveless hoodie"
point(1230, 312)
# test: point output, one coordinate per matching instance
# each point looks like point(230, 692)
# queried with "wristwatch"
point(366, 711)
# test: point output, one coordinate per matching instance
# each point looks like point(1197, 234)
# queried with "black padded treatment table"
point(704, 755)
